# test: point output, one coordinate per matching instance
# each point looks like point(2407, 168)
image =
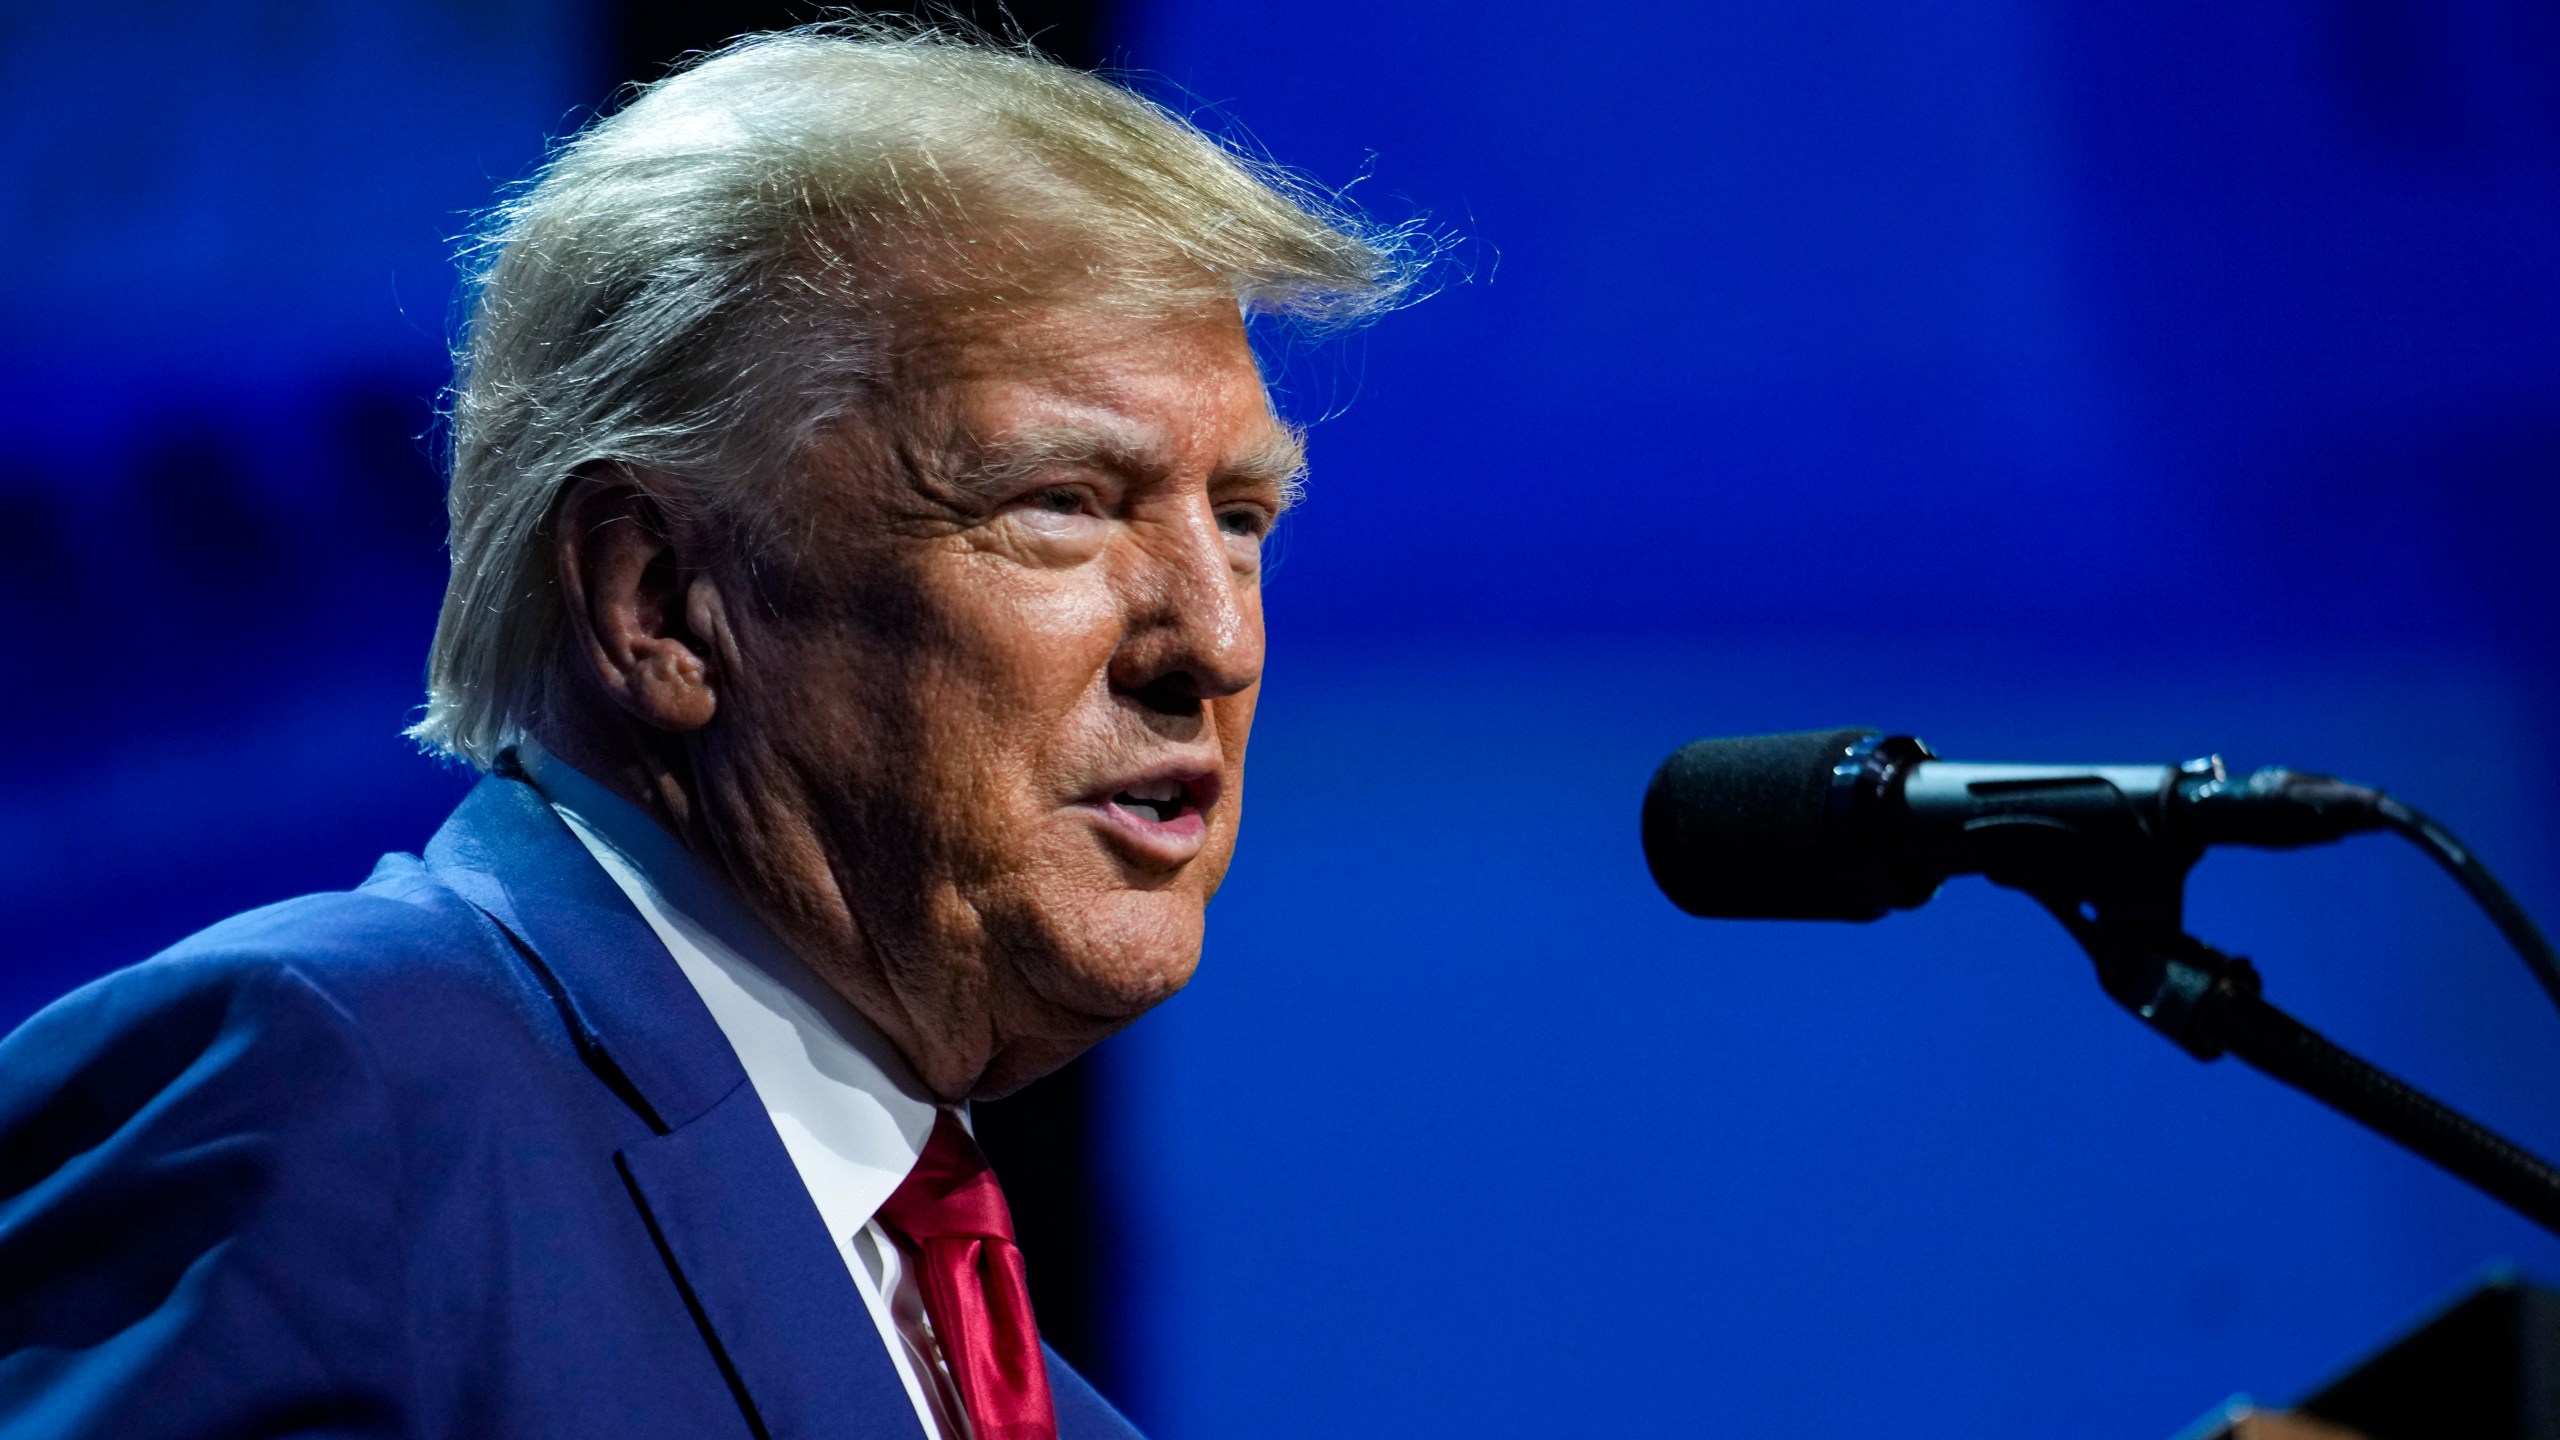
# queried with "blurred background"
point(2093, 381)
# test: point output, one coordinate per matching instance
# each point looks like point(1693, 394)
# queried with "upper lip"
point(1199, 784)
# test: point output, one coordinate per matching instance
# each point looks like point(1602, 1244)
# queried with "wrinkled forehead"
point(1144, 395)
point(1104, 383)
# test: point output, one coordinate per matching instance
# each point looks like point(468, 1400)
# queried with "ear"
point(645, 617)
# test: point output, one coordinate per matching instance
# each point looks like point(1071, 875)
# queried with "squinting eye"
point(1248, 523)
point(1057, 500)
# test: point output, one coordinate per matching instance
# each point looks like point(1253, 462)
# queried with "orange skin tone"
point(898, 740)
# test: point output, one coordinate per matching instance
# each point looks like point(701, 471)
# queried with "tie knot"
point(951, 1194)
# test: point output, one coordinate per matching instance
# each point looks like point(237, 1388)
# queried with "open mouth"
point(1159, 821)
point(1158, 800)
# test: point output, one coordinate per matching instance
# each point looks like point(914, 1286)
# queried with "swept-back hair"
point(737, 259)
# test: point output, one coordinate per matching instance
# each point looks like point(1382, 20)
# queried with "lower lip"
point(1166, 841)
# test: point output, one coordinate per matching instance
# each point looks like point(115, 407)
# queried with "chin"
point(1117, 956)
point(1139, 948)
point(1090, 980)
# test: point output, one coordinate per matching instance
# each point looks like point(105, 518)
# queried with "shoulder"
point(319, 1031)
point(357, 969)
point(402, 937)
point(197, 1036)
point(309, 1014)
point(191, 1148)
point(228, 1148)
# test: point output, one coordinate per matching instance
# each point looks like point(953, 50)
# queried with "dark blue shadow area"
point(215, 687)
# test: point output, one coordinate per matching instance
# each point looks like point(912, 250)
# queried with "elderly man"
point(859, 481)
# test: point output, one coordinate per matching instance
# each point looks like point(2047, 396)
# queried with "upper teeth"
point(1157, 791)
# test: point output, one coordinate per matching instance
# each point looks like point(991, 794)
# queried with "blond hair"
point(701, 282)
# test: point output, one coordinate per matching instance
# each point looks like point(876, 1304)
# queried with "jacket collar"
point(635, 1017)
point(851, 1113)
point(715, 1185)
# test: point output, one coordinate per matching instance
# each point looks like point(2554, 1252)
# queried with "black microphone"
point(1848, 824)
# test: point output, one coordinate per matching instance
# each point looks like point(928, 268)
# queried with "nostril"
point(1170, 695)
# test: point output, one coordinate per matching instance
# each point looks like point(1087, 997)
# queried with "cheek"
point(1235, 720)
point(1235, 727)
point(1038, 641)
point(1001, 695)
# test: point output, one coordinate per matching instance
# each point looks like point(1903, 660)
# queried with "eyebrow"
point(1279, 462)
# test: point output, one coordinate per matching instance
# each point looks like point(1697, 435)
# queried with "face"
point(984, 758)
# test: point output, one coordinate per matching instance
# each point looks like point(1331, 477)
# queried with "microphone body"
point(1851, 824)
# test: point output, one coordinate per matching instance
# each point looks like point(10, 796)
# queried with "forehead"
point(1180, 383)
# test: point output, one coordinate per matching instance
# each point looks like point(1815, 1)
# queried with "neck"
point(774, 870)
point(651, 773)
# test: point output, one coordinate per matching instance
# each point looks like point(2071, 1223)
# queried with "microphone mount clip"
point(2212, 1004)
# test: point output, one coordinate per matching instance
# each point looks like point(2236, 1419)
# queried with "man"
point(859, 479)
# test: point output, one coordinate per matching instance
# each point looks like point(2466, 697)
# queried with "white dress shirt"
point(850, 1112)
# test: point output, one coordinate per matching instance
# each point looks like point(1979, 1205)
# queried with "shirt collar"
point(849, 1110)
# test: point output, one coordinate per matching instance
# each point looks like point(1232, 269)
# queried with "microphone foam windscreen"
point(1736, 829)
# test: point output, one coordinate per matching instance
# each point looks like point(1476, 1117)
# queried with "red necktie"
point(951, 1216)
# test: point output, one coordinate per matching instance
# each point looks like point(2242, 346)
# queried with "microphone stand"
point(2209, 1004)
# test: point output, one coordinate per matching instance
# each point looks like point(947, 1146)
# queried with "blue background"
point(2096, 381)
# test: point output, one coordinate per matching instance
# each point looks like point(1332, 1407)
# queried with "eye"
point(1250, 522)
point(1052, 506)
point(1062, 521)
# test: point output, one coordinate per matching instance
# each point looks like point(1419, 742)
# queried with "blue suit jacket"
point(457, 1153)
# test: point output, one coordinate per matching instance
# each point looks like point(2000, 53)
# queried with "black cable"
point(2448, 851)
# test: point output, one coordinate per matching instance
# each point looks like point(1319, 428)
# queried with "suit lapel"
point(764, 1277)
point(626, 1003)
point(730, 1213)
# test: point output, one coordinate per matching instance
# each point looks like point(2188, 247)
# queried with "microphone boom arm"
point(2209, 1004)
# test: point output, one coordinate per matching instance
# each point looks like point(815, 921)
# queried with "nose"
point(1194, 622)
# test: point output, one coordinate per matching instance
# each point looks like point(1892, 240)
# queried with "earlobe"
point(675, 684)
point(672, 627)
point(670, 687)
